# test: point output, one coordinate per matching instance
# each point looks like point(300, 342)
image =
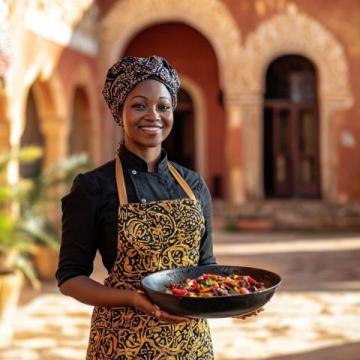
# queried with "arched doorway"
point(180, 145)
point(31, 136)
point(291, 129)
point(187, 145)
point(80, 130)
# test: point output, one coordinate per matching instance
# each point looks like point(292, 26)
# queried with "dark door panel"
point(291, 129)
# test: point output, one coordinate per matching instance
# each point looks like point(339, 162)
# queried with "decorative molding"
point(128, 17)
point(296, 33)
point(68, 23)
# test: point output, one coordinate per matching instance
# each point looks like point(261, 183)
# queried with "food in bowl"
point(155, 286)
point(211, 285)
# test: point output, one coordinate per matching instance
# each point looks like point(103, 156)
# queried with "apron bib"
point(152, 236)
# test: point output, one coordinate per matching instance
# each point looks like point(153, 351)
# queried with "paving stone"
point(315, 315)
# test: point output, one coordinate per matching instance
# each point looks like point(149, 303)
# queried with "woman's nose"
point(153, 113)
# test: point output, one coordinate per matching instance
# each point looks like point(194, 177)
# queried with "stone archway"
point(128, 17)
point(83, 78)
point(292, 33)
point(52, 112)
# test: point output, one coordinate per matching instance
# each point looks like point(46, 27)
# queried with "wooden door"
point(291, 129)
point(291, 150)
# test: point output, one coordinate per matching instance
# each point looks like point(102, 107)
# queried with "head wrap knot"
point(125, 74)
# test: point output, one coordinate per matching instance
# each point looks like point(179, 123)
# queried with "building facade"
point(270, 101)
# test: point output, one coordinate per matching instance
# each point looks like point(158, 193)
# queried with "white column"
point(234, 154)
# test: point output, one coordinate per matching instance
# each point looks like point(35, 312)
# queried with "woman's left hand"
point(250, 314)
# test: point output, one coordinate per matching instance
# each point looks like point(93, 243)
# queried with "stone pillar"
point(234, 154)
point(329, 110)
point(4, 125)
point(4, 135)
point(252, 115)
point(55, 134)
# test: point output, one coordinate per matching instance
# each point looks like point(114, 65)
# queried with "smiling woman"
point(147, 119)
point(143, 213)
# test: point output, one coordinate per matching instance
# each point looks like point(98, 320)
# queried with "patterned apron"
point(152, 236)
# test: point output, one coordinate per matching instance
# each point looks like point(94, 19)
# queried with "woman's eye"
point(138, 106)
point(164, 107)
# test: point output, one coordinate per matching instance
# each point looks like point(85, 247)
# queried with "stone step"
point(287, 215)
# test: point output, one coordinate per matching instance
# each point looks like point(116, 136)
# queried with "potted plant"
point(29, 234)
point(15, 244)
point(39, 211)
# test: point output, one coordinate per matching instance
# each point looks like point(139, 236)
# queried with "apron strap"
point(120, 182)
point(184, 185)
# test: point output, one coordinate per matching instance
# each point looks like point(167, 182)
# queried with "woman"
point(144, 214)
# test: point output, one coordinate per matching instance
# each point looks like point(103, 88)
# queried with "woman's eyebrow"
point(144, 97)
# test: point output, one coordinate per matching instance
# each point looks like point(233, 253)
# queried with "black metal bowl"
point(209, 307)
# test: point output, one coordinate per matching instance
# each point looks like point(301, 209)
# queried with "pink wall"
point(193, 56)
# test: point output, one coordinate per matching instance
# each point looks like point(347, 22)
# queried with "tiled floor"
point(315, 315)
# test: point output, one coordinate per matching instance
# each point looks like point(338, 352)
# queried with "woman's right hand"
point(142, 302)
point(93, 293)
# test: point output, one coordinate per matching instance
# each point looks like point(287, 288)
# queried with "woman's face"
point(147, 116)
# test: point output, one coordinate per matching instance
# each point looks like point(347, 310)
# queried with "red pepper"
point(251, 281)
point(196, 285)
point(180, 292)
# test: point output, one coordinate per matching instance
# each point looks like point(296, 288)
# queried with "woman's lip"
point(151, 129)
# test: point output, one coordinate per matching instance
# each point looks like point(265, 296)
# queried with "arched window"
point(291, 129)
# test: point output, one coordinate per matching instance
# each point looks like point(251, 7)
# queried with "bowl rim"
point(273, 287)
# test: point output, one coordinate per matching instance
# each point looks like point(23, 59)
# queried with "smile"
point(151, 129)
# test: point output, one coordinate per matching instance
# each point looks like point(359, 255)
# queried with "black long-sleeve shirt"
point(89, 221)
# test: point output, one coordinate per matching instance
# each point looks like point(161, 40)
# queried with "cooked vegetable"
point(209, 285)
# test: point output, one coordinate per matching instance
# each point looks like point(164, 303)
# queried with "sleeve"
point(206, 245)
point(79, 230)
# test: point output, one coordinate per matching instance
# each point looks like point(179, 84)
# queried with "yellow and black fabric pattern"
point(152, 236)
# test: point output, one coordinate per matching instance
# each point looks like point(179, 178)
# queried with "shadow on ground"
point(349, 351)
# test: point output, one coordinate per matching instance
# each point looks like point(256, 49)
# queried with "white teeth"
point(150, 127)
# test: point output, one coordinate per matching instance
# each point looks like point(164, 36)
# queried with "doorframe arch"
point(51, 109)
point(293, 33)
point(199, 107)
point(129, 17)
point(83, 78)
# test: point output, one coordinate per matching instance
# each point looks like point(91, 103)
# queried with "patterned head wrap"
point(124, 75)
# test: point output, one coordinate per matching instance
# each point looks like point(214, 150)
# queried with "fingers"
point(250, 314)
point(166, 317)
point(143, 303)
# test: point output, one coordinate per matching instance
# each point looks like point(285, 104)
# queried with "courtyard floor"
point(315, 314)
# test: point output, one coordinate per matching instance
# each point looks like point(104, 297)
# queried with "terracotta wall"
point(341, 19)
point(191, 53)
point(193, 56)
point(69, 62)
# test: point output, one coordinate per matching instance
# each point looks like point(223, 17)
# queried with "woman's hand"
point(250, 314)
point(143, 303)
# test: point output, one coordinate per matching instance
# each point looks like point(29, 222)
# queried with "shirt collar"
point(131, 161)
